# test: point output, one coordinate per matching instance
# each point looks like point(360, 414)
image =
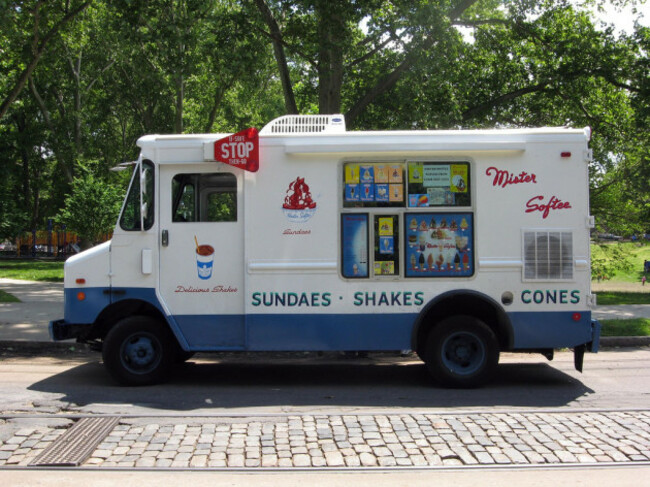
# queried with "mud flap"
point(578, 357)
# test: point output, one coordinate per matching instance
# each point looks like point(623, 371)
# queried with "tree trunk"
point(180, 94)
point(330, 59)
point(61, 159)
point(280, 57)
point(21, 125)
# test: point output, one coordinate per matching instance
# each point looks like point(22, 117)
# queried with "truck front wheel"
point(461, 352)
point(138, 351)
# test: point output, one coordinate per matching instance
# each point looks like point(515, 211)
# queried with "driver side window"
point(208, 197)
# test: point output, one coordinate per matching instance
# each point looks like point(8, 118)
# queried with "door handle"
point(164, 238)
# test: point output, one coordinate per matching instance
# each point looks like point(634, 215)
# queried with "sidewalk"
point(28, 320)
point(42, 302)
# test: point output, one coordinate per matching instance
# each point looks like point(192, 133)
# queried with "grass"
point(32, 270)
point(610, 298)
point(8, 298)
point(625, 328)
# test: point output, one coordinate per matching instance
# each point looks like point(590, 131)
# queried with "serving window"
point(411, 184)
point(388, 227)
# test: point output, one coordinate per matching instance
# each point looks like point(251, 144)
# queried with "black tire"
point(461, 352)
point(138, 351)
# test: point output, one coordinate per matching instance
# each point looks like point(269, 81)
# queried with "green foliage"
point(620, 261)
point(92, 207)
point(13, 220)
point(608, 260)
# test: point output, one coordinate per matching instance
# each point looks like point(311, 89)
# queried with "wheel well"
point(119, 310)
point(469, 303)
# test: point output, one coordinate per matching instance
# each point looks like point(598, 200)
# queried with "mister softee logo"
point(298, 204)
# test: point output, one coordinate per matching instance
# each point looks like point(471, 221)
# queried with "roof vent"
point(306, 124)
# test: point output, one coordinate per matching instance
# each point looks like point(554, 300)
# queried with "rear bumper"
point(60, 330)
point(594, 345)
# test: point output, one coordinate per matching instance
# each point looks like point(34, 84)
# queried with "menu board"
point(376, 184)
point(438, 184)
point(386, 230)
point(439, 245)
point(354, 241)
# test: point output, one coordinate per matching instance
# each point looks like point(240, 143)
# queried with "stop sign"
point(240, 150)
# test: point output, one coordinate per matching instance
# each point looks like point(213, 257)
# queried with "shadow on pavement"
point(365, 383)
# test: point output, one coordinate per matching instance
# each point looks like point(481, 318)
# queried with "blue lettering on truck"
point(550, 296)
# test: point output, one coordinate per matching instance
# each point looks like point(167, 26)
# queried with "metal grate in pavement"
point(73, 447)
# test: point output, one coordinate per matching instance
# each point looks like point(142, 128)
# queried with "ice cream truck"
point(304, 236)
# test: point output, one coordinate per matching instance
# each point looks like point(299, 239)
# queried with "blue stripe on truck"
point(294, 332)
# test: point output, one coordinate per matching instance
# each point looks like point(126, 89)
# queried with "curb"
point(23, 346)
point(624, 341)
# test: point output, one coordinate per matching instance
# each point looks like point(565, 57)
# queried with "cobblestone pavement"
point(390, 440)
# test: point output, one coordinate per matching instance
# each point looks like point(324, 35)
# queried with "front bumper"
point(60, 330)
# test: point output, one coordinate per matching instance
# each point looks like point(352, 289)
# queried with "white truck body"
point(346, 240)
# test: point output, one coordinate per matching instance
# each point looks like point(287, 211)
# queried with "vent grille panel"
point(548, 255)
point(305, 124)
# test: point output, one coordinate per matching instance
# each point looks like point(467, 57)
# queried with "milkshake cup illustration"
point(204, 260)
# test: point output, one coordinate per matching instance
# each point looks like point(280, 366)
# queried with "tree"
point(46, 19)
point(13, 220)
point(326, 42)
point(92, 207)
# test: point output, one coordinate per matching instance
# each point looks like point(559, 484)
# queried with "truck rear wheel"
point(461, 352)
point(138, 351)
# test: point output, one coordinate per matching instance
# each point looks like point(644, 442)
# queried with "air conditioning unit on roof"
point(306, 124)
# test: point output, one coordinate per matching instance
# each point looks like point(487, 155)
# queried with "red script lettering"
point(553, 204)
point(503, 178)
